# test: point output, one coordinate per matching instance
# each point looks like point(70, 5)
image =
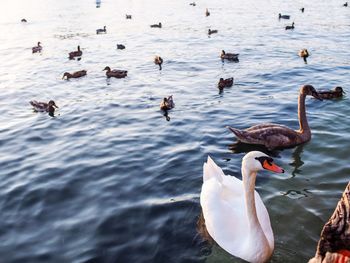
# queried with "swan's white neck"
point(256, 234)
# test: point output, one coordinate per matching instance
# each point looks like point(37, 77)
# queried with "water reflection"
point(98, 3)
point(297, 162)
point(240, 147)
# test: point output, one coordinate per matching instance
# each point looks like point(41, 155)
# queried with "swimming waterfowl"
point(207, 13)
point(223, 83)
point(116, 73)
point(128, 16)
point(158, 61)
point(212, 31)
point(229, 56)
point(37, 48)
point(24, 20)
point(167, 103)
point(337, 92)
point(44, 107)
point(74, 54)
point(159, 25)
point(304, 54)
point(74, 75)
point(283, 16)
point(193, 4)
point(235, 216)
point(120, 46)
point(302, 9)
point(334, 243)
point(346, 4)
point(100, 30)
point(290, 27)
point(279, 136)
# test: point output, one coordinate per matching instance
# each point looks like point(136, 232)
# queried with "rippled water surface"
point(109, 179)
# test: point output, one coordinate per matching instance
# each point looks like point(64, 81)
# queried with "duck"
point(223, 83)
point(158, 61)
point(193, 4)
point(24, 20)
point(44, 107)
point(74, 75)
point(302, 9)
point(337, 92)
point(116, 73)
point(234, 214)
point(207, 13)
point(37, 48)
point(212, 32)
point(304, 54)
point(120, 46)
point(274, 136)
point(229, 56)
point(128, 16)
point(334, 245)
point(167, 103)
point(100, 30)
point(283, 16)
point(290, 27)
point(159, 25)
point(74, 54)
point(346, 4)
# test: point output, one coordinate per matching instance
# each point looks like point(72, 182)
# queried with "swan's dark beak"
point(272, 167)
point(316, 96)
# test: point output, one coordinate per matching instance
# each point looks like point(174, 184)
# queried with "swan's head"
point(309, 90)
point(257, 161)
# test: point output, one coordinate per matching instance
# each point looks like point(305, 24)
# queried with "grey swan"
point(274, 136)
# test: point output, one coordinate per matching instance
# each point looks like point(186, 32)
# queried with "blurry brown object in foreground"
point(334, 244)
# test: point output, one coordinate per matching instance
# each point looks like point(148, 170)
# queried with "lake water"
point(109, 179)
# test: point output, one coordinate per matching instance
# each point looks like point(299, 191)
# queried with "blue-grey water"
point(109, 179)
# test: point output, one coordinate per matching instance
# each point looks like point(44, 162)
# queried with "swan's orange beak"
point(272, 167)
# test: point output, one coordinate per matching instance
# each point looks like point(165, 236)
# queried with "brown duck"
point(279, 136)
point(158, 61)
point(225, 83)
point(44, 107)
point(74, 75)
point(229, 56)
point(74, 54)
point(304, 54)
point(115, 73)
point(337, 92)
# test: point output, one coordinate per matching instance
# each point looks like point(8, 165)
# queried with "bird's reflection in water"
point(240, 147)
point(166, 115)
point(202, 230)
point(297, 162)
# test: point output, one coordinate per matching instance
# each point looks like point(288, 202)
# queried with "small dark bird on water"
point(159, 25)
point(193, 4)
point(225, 83)
point(74, 54)
point(337, 92)
point(302, 9)
point(283, 16)
point(207, 13)
point(74, 75)
point(212, 32)
point(128, 16)
point(115, 73)
point(44, 107)
point(290, 27)
point(24, 20)
point(158, 61)
point(346, 4)
point(37, 48)
point(100, 30)
point(120, 46)
point(304, 54)
point(229, 56)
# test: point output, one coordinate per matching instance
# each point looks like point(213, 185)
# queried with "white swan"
point(234, 213)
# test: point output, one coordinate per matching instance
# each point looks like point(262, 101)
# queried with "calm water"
point(109, 179)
